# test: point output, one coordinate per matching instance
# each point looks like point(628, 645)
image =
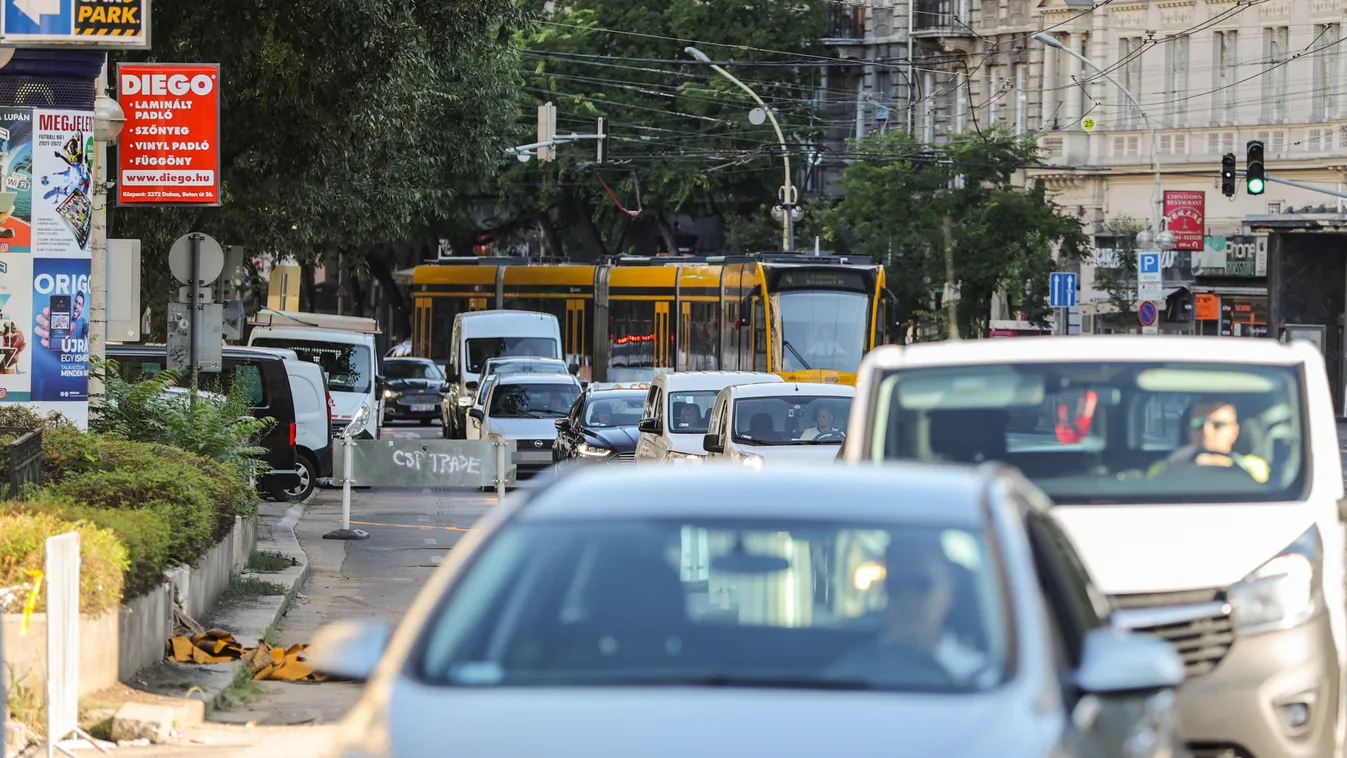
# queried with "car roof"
point(905, 492)
point(527, 378)
point(713, 380)
point(614, 391)
point(498, 313)
point(232, 351)
point(523, 359)
point(811, 389)
point(409, 359)
point(1078, 348)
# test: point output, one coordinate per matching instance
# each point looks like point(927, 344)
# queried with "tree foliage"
point(1119, 278)
point(680, 132)
point(345, 123)
point(899, 195)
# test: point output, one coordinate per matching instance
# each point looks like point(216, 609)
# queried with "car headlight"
point(1283, 593)
point(752, 461)
point(587, 450)
point(392, 394)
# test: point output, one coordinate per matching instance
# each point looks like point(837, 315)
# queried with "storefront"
point(1230, 297)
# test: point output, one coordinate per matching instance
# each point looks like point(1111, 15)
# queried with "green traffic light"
point(1255, 186)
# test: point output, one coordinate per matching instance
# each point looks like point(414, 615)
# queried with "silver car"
point(727, 611)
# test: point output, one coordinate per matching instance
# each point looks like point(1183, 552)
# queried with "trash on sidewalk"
point(264, 661)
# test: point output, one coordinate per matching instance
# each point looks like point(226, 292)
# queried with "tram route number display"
point(821, 278)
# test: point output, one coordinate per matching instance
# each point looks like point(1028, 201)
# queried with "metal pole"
point(98, 259)
point(500, 469)
point(194, 312)
point(346, 483)
point(1299, 185)
point(911, 73)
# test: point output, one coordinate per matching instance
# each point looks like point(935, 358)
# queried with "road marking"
point(413, 526)
point(429, 540)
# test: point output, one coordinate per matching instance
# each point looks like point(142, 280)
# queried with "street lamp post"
point(1162, 237)
point(788, 193)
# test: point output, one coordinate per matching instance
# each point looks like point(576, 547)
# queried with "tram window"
point(631, 333)
point(759, 336)
point(443, 309)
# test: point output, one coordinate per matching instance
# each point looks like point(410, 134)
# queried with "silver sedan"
point(725, 611)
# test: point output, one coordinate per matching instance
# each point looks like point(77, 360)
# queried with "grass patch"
point(268, 562)
point(27, 705)
point(244, 689)
point(271, 637)
point(251, 586)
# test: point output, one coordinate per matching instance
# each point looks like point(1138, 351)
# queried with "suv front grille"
point(1201, 640)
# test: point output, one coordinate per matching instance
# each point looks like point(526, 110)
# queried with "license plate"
point(422, 408)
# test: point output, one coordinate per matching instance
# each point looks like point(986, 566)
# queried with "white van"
point(350, 362)
point(481, 335)
point(678, 412)
point(792, 422)
point(313, 422)
point(1200, 480)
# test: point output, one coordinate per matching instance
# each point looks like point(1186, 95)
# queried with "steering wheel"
point(1189, 463)
point(916, 665)
point(831, 437)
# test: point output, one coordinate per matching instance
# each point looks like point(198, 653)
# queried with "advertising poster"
point(169, 149)
point(1185, 217)
point(16, 334)
point(60, 330)
point(63, 150)
point(16, 180)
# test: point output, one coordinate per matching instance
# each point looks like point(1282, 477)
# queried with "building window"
point(1129, 60)
point(1176, 81)
point(1275, 72)
point(1326, 37)
point(1225, 46)
point(1021, 103)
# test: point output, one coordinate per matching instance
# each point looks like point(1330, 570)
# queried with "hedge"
point(103, 561)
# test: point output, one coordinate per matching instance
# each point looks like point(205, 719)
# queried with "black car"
point(601, 427)
point(269, 385)
point(412, 390)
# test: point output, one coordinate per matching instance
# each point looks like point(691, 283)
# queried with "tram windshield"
point(822, 330)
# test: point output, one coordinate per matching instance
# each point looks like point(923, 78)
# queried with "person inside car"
point(1213, 430)
point(823, 425)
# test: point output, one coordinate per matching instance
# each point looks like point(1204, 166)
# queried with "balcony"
point(846, 23)
point(942, 18)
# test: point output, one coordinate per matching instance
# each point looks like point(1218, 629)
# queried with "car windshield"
point(754, 603)
point(1109, 433)
point(690, 412)
point(482, 349)
point(823, 330)
point(403, 369)
point(609, 409)
point(347, 366)
point(533, 400)
point(791, 420)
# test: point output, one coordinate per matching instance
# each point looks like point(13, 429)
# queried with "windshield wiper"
point(764, 443)
point(786, 344)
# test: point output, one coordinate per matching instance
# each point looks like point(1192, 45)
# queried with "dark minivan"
point(269, 387)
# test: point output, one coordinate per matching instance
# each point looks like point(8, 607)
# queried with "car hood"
point(1168, 548)
point(688, 444)
point(663, 722)
point(621, 439)
point(787, 453)
point(414, 384)
point(522, 428)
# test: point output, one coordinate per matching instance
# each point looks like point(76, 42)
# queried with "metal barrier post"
point(500, 468)
point(346, 532)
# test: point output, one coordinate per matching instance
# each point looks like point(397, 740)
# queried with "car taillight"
point(293, 434)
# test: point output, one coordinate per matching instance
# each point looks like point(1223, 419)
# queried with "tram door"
point(421, 338)
point(575, 337)
point(684, 338)
point(663, 355)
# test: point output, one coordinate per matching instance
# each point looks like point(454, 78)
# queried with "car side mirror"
point(1120, 661)
point(650, 426)
point(562, 424)
point(476, 413)
point(471, 386)
point(349, 649)
point(451, 370)
point(711, 443)
point(381, 379)
point(574, 368)
point(446, 388)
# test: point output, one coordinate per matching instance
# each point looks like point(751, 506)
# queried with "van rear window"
point(349, 367)
point(135, 369)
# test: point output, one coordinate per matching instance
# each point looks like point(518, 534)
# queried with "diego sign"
point(169, 151)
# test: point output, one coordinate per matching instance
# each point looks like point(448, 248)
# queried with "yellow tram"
point(805, 317)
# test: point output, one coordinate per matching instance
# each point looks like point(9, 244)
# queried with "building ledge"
point(1297, 222)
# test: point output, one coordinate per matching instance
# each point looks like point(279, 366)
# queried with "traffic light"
point(1255, 181)
point(1228, 175)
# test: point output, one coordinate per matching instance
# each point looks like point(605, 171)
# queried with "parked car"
point(1200, 478)
point(753, 424)
point(413, 389)
point(268, 383)
point(601, 426)
point(524, 408)
point(913, 610)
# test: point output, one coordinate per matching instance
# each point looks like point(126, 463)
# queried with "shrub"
point(179, 494)
point(103, 559)
point(67, 450)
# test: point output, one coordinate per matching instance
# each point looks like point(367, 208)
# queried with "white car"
point(753, 424)
point(525, 408)
point(678, 412)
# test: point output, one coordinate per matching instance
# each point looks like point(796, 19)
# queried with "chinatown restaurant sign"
point(169, 150)
point(1185, 218)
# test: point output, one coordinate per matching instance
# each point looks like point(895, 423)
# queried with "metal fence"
point(21, 459)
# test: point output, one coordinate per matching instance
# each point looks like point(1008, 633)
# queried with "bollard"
point(500, 469)
point(346, 532)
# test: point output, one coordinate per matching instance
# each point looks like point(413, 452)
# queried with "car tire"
point(308, 481)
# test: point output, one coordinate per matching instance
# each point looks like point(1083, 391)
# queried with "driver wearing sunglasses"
point(1213, 429)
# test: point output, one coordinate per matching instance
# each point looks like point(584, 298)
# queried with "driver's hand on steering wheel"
point(1214, 459)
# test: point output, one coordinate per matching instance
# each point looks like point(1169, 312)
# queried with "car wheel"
point(308, 480)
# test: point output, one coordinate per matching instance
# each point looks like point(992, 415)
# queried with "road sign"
point(208, 268)
point(1062, 289)
point(1148, 263)
point(97, 24)
point(1150, 330)
point(1150, 290)
point(1088, 123)
point(1147, 314)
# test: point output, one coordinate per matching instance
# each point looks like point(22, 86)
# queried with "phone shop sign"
point(169, 150)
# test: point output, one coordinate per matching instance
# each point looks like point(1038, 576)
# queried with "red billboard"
point(1186, 217)
point(169, 150)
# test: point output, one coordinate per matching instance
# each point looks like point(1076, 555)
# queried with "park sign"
point(96, 24)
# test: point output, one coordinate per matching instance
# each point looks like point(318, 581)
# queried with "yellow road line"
point(412, 526)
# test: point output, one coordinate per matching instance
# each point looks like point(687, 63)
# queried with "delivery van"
point(347, 358)
point(479, 336)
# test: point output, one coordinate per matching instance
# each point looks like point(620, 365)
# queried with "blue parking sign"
point(1062, 290)
point(1148, 263)
point(44, 17)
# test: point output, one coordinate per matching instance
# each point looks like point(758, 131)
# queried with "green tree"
point(1119, 279)
point(344, 124)
point(901, 201)
point(681, 139)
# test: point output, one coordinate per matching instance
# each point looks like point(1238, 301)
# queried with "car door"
point(719, 426)
point(568, 435)
point(646, 449)
point(1099, 726)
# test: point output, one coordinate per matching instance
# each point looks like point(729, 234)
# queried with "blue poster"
point(60, 329)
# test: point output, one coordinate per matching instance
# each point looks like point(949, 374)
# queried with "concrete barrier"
point(118, 645)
